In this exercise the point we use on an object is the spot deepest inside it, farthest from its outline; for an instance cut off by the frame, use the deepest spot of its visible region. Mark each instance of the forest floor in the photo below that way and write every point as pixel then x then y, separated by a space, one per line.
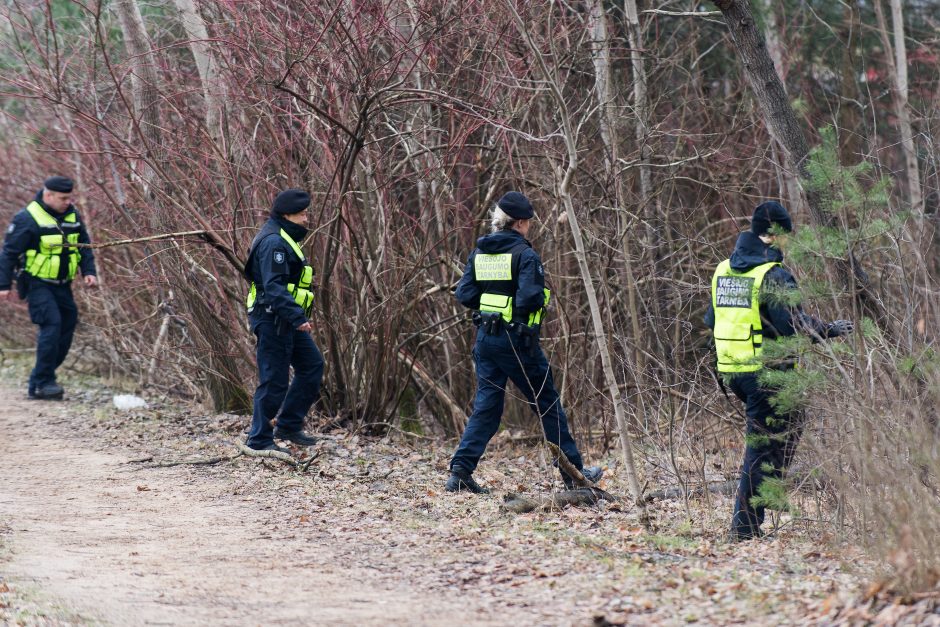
pixel 92 532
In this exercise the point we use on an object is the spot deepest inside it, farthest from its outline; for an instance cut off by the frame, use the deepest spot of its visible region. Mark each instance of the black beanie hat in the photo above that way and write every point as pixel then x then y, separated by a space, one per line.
pixel 60 184
pixel 290 201
pixel 767 213
pixel 515 205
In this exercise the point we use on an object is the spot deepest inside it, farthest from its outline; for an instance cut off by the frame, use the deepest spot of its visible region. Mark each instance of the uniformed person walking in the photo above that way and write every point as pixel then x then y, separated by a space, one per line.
pixel 504 282
pixel 38 254
pixel 747 310
pixel 279 303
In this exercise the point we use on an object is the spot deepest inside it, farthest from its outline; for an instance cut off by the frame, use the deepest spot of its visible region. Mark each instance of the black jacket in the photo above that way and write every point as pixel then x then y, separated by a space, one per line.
pixel 271 265
pixel 23 235
pixel 529 279
pixel 779 320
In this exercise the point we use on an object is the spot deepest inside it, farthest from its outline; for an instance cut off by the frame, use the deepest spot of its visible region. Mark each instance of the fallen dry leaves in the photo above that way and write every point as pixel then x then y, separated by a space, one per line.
pixel 380 503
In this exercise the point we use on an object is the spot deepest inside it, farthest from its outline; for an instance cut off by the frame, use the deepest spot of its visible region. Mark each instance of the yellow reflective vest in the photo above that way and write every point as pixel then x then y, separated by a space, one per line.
pixel 57 245
pixel 499 267
pixel 738 327
pixel 300 290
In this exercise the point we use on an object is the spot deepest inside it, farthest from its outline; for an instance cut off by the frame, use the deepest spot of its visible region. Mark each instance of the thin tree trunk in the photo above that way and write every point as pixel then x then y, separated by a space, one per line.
pixel 564 177
pixel 145 92
pixel 642 131
pixel 850 140
pixel 206 64
pixel 790 187
pixel 897 68
pixel 603 86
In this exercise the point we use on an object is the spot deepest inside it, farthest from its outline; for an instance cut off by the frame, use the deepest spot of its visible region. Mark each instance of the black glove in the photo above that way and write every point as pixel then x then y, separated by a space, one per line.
pixel 837 328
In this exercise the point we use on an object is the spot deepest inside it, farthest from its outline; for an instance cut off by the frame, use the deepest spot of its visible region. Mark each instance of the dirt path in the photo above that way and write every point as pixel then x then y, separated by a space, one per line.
pixel 123 546
pixel 364 537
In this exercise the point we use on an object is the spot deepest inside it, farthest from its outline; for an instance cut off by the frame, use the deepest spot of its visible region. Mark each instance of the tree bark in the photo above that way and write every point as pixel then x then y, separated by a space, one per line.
pixel 212 88
pixel 145 95
pixel 896 57
pixel 144 79
pixel 789 185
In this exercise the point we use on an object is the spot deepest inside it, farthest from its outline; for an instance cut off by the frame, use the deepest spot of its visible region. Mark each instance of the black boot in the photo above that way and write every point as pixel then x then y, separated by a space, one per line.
pixel 48 392
pixel 297 437
pixel 591 473
pixel 271 447
pixel 460 479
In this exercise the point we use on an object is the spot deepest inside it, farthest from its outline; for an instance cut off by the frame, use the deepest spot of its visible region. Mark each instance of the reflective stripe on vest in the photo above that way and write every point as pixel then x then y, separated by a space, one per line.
pixel 46 261
pixel 738 327
pixel 300 290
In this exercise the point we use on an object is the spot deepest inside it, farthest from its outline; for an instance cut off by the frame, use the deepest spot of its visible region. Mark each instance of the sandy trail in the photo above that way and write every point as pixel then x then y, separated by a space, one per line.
pixel 160 546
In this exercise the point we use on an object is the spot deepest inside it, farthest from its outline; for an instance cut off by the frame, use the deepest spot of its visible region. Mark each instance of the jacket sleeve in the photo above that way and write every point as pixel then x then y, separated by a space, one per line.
pixel 530 296
pixel 468 291
pixel 20 237
pixel 273 268
pixel 86 260
pixel 710 316
pixel 786 320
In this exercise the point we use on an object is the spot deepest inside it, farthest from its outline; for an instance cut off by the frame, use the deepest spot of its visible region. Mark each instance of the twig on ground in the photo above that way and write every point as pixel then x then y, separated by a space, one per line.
pixel 586 493
pixel 208 461
pixel 287 458
pixel 557 500
pixel 565 464
pixel 725 487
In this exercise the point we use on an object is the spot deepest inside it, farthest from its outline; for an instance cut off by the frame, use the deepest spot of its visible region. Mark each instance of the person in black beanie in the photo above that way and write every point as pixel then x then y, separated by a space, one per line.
pixel 37 252
pixel 280 299
pixel 744 315
pixel 504 283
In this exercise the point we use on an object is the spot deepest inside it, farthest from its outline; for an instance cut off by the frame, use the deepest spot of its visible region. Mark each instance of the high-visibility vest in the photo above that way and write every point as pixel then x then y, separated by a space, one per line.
pixel 299 290
pixel 57 256
pixel 498 268
pixel 738 327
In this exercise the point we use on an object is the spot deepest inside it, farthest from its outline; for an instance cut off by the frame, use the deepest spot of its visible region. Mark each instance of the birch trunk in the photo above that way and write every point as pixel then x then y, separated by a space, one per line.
pixel 603 87
pixel 212 88
pixel 145 96
pixel 896 55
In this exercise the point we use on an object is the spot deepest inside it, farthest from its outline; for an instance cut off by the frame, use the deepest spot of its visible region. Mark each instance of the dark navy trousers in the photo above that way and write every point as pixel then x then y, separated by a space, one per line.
pixel 276 354
pixel 51 307
pixel 771 439
pixel 499 358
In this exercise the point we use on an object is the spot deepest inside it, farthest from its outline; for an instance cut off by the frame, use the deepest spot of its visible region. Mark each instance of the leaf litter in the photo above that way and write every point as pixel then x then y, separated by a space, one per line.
pixel 379 503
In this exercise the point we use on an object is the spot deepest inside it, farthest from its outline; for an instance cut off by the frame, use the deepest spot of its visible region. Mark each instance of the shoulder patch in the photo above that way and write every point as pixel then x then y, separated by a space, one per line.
pixel 11 228
pixel 278 256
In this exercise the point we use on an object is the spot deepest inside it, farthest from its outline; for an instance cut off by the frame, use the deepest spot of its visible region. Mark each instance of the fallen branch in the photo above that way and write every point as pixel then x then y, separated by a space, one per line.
pixel 556 500
pixel 725 487
pixel 585 494
pixel 568 468
pixel 287 458
pixel 209 461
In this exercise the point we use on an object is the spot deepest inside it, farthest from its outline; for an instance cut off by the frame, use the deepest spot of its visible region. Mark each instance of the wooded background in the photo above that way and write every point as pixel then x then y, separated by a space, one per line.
pixel 644 133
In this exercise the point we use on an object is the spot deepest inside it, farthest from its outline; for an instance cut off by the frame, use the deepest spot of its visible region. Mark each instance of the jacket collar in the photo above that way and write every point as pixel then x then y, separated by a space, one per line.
pixel 297 232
